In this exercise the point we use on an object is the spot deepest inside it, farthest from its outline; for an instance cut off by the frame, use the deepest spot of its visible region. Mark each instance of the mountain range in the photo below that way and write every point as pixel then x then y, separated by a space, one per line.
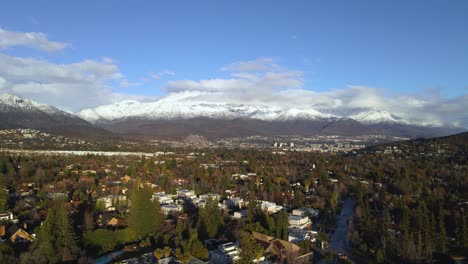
pixel 173 117
pixel 16 112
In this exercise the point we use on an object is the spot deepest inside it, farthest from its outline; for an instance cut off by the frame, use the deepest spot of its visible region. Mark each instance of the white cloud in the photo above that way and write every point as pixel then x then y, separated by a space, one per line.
pixel 38 40
pixel 263 82
pixel 161 74
pixel 68 86
pixel 258 65
pixel 125 83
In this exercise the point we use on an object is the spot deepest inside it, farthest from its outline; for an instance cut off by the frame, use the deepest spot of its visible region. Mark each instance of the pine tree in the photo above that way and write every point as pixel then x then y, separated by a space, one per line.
pixel 3 198
pixel 66 238
pixel 250 250
pixel 56 239
pixel 282 225
pixel 196 247
pixel 210 219
pixel 442 232
pixel 145 216
pixel 464 231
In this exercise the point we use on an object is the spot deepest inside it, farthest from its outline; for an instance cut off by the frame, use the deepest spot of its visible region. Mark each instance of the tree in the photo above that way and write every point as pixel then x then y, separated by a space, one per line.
pixel 166 251
pixel 196 247
pixel 210 219
pixel 442 242
pixel 379 256
pixel 158 253
pixel 464 231
pixel 3 198
pixel 56 239
pixel 334 200
pixel 250 250
pixel 145 216
pixel 282 223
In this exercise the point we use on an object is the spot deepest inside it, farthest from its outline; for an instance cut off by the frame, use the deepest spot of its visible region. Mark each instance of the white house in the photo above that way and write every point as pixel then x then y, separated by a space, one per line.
pixel 8 216
pixel 297 235
pixel 205 197
pixel 305 211
pixel 190 194
pixel 234 203
pixel 226 253
pixel 168 208
pixel 270 207
pixel 163 198
pixel 240 214
pixel 300 222
pixel 111 200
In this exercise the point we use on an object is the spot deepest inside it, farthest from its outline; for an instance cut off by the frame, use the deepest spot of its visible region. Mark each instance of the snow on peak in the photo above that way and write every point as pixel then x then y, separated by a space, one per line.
pixel 183 107
pixel 376 116
pixel 9 101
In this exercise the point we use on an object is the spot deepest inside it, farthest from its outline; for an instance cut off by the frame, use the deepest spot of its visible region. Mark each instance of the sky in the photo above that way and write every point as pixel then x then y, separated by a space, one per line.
pixel 406 57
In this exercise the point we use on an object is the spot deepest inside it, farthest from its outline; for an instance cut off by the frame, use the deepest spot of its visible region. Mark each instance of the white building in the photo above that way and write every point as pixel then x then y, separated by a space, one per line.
pixel 300 222
pixel 240 214
pixel 184 193
pixel 304 211
pixel 234 203
pixel 169 208
pixel 226 253
pixel 270 207
pixel 163 198
pixel 297 235
pixel 110 201
pixel 9 217
pixel 214 197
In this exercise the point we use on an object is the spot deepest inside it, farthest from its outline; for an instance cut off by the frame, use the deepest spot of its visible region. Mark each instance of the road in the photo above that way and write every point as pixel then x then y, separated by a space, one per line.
pixel 339 241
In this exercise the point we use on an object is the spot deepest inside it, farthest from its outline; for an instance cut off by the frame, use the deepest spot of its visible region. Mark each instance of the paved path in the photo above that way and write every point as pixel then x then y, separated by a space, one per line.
pixel 339 241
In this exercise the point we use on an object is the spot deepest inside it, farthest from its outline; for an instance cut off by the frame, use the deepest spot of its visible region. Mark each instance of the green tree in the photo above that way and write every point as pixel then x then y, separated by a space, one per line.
pixel 442 241
pixel 166 251
pixel 334 200
pixel 210 219
pixel 250 250
pixel 3 198
pixel 282 224
pixel 145 216
pixel 379 256
pixel 158 253
pixel 464 231
pixel 56 239
pixel 196 247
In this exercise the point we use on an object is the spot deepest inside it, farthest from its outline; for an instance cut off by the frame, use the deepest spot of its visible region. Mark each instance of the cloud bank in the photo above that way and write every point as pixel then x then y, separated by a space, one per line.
pixel 263 82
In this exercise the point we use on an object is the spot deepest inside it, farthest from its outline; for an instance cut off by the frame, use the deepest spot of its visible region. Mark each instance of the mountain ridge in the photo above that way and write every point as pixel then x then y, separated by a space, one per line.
pixel 176 119
pixel 17 112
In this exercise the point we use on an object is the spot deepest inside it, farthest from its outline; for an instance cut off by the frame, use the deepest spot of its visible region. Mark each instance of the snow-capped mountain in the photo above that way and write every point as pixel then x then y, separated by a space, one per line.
pixel 376 117
pixel 176 116
pixel 10 103
pixel 183 110
pixel 17 112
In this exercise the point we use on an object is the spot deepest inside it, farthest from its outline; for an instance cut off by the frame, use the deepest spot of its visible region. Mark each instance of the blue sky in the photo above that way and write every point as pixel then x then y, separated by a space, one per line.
pixel 413 48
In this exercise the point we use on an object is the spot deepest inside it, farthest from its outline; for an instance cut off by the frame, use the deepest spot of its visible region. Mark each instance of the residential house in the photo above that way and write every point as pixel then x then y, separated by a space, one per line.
pixel 270 207
pixel 163 198
pixel 234 203
pixel 225 254
pixel 306 211
pixel 15 235
pixel 184 193
pixel 171 208
pixel 297 235
pixel 282 251
pixel 300 222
